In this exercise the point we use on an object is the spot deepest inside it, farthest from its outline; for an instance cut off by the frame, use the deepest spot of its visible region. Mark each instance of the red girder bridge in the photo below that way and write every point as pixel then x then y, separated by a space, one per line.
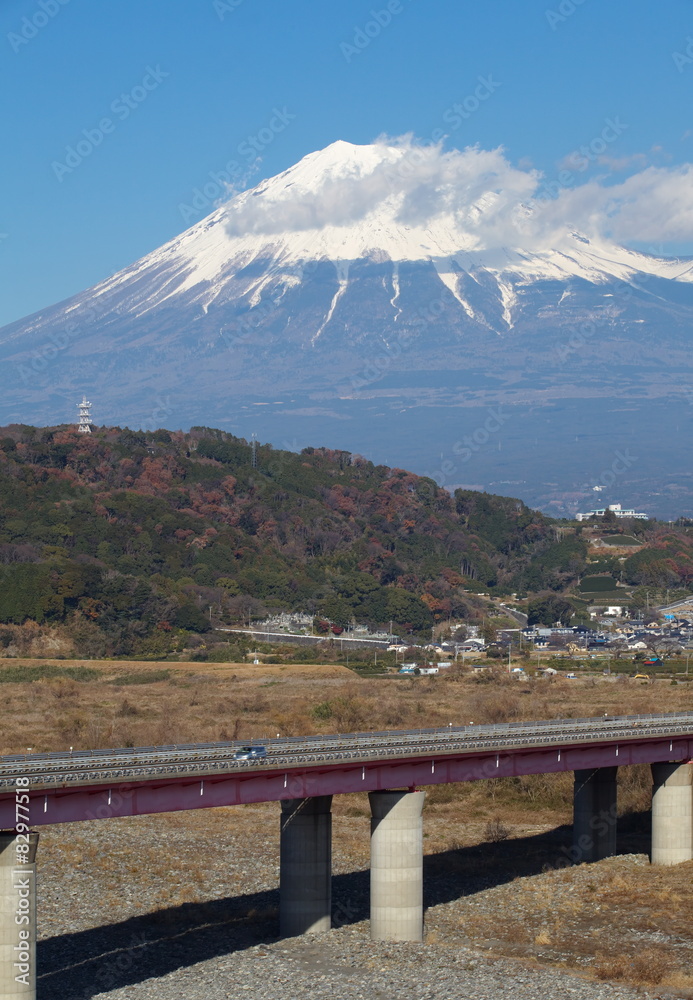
pixel 304 773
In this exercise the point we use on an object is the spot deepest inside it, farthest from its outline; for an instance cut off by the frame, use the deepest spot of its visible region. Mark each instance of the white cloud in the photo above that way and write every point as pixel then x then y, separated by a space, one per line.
pixel 655 204
pixel 476 192
pixel 618 163
pixel 410 183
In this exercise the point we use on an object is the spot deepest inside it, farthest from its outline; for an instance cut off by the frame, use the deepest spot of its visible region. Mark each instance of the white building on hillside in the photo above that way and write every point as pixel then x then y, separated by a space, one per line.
pixel 615 508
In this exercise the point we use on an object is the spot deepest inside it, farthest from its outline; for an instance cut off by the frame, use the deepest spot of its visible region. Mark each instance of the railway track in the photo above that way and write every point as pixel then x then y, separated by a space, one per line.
pixel 59 769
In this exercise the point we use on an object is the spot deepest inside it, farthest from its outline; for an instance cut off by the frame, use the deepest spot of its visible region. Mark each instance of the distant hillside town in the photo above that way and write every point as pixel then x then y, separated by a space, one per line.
pixel 616 509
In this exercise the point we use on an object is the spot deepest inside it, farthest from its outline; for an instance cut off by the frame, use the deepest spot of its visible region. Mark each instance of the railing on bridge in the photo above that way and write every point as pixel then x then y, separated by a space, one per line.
pixel 51 769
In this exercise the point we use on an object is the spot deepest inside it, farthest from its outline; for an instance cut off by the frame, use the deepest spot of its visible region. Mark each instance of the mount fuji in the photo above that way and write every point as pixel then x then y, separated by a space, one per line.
pixel 393 300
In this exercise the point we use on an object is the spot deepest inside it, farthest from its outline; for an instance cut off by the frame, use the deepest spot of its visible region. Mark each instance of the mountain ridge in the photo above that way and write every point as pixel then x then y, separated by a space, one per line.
pixel 258 332
pixel 122 537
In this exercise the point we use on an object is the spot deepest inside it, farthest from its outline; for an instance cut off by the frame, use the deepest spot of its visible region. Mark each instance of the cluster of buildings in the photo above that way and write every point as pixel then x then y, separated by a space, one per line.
pixel 612 631
pixel 616 509
pixel 673 634
pixel 630 635
pixel 297 623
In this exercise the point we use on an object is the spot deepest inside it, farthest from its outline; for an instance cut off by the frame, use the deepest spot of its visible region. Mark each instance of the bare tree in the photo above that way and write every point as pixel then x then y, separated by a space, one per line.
pixel 662 645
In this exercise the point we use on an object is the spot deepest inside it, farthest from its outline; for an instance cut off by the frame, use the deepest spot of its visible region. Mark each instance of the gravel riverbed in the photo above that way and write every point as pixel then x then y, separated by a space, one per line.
pixel 184 907
pixel 351 967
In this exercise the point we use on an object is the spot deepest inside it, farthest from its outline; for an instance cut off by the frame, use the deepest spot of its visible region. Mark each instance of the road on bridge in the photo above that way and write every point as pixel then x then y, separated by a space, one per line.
pixel 80 785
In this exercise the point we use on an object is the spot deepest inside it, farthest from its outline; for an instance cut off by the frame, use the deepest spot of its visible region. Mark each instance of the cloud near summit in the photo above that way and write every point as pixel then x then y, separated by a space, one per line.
pixel 480 192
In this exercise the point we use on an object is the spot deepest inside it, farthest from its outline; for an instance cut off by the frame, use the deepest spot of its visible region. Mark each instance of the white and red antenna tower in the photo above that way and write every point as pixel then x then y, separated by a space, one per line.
pixel 85 420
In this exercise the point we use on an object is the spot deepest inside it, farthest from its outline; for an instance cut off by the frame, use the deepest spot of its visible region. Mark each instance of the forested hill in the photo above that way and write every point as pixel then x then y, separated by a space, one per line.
pixel 120 535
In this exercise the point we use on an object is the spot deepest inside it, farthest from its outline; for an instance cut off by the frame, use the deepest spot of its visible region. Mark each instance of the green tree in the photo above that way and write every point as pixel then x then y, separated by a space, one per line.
pixel 337 610
pixel 549 609
pixel 408 611
pixel 190 618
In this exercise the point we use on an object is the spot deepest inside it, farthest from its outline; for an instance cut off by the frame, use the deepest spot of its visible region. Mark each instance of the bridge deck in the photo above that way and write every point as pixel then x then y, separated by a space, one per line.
pixel 131 781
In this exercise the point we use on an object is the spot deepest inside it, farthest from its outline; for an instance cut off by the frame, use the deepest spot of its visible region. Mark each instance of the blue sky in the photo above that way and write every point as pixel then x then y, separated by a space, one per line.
pixel 188 85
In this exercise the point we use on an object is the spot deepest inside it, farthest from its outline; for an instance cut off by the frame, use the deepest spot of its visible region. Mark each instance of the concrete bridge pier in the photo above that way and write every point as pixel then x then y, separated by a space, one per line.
pixel 396 866
pixel 672 813
pixel 17 916
pixel 595 814
pixel 305 866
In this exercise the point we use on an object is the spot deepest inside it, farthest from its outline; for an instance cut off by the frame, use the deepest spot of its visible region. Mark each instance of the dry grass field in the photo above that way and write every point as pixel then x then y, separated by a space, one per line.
pixel 496 872
pixel 121 703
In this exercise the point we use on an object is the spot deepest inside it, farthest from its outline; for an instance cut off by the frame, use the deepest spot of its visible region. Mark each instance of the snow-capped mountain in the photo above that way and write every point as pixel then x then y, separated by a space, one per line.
pixel 263 240
pixel 357 266
pixel 274 225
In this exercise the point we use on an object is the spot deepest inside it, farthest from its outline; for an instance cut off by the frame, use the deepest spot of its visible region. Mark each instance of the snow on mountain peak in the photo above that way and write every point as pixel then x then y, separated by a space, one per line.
pixel 338 160
pixel 357 261
pixel 461 210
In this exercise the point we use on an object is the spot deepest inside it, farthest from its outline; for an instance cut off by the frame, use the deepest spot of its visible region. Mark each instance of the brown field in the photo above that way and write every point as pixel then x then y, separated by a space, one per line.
pixel 493 848
pixel 188 702
pixel 112 668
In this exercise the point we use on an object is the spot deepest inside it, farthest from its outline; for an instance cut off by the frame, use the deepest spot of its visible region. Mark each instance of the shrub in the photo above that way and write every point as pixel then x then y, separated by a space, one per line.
pixel 127 708
pixel 649 967
pixel 496 831
pixel 45 671
pixel 142 677
pixel 322 711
